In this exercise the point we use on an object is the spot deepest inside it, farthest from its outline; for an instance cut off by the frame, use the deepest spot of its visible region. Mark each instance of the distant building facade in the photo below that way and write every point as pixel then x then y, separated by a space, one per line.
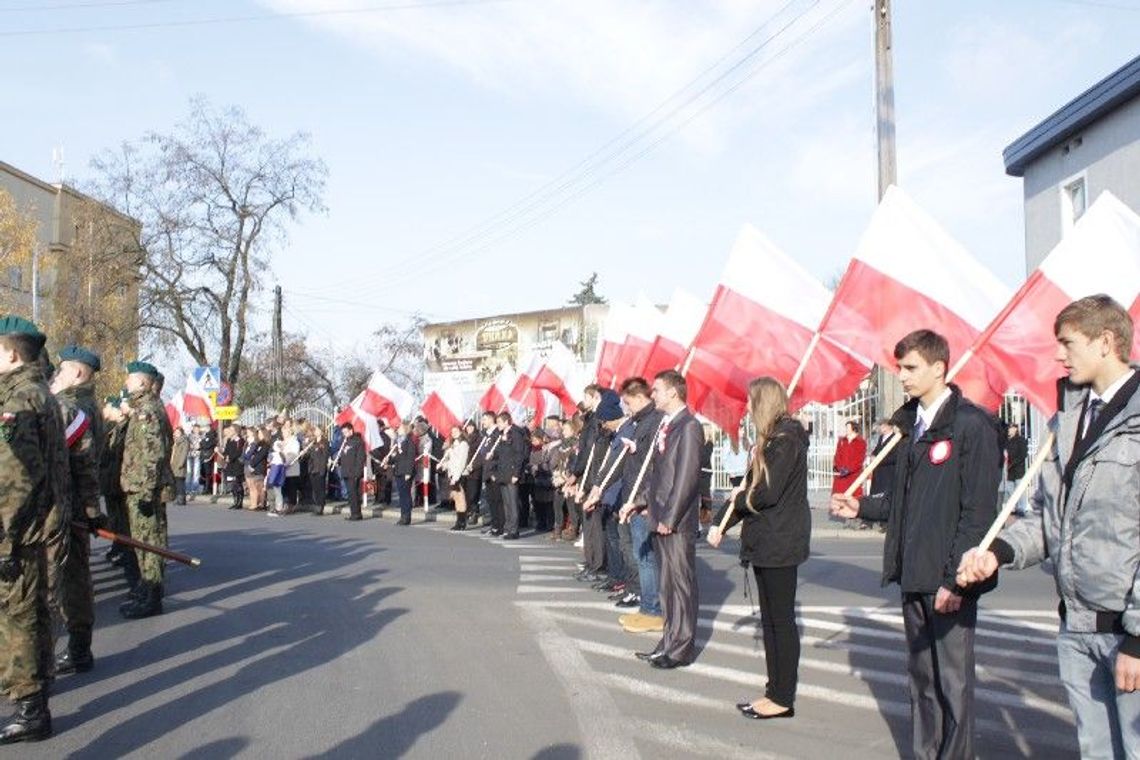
pixel 1090 145
pixel 471 352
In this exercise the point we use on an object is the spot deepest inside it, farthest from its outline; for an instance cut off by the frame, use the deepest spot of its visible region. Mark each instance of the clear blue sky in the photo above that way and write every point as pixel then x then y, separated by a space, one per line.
pixel 433 120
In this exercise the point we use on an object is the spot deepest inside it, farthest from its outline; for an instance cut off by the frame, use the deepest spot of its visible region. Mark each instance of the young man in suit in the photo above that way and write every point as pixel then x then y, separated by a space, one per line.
pixel 673 503
pixel 943 500
pixel 1086 509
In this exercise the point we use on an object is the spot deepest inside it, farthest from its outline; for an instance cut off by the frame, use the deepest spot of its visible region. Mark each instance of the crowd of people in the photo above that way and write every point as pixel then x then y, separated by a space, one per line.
pixel 626 479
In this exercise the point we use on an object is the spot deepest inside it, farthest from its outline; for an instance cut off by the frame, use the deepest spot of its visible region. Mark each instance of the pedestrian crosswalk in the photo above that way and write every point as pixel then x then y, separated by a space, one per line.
pixel 852 692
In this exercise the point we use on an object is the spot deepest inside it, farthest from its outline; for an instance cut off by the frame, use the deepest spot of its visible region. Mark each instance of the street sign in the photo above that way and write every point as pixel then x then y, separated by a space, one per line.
pixel 225 394
pixel 208 378
pixel 226 412
pixel 213 396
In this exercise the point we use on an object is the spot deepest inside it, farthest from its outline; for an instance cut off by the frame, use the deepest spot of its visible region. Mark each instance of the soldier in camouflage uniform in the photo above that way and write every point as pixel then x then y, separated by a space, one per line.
pixel 33 475
pixel 110 471
pixel 69 555
pixel 145 475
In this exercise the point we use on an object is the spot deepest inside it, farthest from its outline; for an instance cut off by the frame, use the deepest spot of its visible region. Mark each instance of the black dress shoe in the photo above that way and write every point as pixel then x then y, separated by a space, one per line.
pixel 665 662
pixel 647 656
pixel 495 532
pixel 627 601
pixel 511 537
pixel 748 711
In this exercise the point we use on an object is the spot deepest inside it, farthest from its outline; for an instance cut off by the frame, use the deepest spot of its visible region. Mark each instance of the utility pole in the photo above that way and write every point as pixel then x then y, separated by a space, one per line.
pixel 890 393
pixel 884 97
pixel 278 350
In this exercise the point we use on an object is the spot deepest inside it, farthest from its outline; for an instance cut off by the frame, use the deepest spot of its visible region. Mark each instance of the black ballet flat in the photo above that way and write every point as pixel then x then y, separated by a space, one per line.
pixel 748 711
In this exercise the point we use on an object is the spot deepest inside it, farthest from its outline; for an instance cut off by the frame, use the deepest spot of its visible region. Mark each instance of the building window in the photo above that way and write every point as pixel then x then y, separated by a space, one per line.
pixel 1074 202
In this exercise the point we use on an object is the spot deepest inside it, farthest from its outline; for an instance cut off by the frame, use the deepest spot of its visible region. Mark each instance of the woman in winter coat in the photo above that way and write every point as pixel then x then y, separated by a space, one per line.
pixel 256 463
pixel 773 506
pixel 233 466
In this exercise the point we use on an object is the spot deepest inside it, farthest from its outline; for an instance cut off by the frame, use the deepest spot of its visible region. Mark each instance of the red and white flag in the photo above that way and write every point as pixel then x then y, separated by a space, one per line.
pixel 558 373
pixel 365 423
pixel 1100 254
pixel 443 408
pixel 174 410
pixel 679 326
pixel 761 321
pixel 195 401
pixel 642 328
pixel 497 397
pixel 613 334
pixel 907 274
pixel 384 400
pixel 525 380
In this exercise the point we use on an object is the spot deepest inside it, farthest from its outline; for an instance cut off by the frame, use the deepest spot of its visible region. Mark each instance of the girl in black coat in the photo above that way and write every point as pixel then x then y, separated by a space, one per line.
pixel 772 503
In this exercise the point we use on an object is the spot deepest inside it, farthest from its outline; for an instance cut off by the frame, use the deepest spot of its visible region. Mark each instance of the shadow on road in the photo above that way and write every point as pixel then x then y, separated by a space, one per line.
pixel 396 734
pixel 262 609
pixel 559 752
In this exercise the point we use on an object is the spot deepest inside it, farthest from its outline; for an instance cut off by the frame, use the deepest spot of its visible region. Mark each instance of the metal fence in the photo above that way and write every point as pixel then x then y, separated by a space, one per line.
pixel 259 415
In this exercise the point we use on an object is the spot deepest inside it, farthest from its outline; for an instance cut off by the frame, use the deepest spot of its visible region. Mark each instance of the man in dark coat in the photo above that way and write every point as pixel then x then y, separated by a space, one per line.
pixel 352 456
pixel 943 499
pixel 1016 452
pixel 508 463
pixel 674 499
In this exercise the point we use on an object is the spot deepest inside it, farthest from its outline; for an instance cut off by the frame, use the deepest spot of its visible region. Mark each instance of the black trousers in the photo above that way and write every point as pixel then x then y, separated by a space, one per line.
pixel 776 590
pixel 677 577
pixel 510 507
pixel 560 511
pixel 473 489
pixel 317 487
pixel 941 668
pixel 495 502
pixel 594 539
pixel 353 486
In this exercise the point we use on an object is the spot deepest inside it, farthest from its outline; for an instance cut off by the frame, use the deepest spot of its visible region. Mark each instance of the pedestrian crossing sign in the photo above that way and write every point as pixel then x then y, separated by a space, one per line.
pixel 208 378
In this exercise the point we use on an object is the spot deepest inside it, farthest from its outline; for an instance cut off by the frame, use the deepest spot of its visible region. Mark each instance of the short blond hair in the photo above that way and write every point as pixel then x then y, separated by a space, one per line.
pixel 1092 316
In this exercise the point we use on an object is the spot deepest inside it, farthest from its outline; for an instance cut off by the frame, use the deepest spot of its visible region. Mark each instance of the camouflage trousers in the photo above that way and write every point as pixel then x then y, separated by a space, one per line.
pixel 150 528
pixel 72 594
pixel 117 520
pixel 25 625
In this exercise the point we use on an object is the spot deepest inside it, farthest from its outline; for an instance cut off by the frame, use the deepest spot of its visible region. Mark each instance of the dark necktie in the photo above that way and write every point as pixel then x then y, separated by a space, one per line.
pixel 1095 407
pixel 919 428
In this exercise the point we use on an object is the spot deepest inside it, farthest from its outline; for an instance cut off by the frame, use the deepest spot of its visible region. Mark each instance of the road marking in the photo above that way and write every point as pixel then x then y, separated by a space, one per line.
pixel 600 725
pixel 688 742
pixel 543 558
pixel 539 577
pixel 525 589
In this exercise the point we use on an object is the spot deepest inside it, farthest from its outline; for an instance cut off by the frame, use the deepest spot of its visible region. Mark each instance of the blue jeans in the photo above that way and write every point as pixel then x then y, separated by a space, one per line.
pixel 193 472
pixel 646 565
pixel 1108 721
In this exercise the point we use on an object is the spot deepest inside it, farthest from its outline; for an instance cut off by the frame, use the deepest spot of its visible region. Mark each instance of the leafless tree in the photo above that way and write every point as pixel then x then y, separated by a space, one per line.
pixel 216 197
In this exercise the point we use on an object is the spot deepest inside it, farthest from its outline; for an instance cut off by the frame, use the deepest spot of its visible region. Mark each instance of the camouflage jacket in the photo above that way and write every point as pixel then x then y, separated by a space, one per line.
pixel 34 470
pixel 83 429
pixel 146 447
pixel 111 459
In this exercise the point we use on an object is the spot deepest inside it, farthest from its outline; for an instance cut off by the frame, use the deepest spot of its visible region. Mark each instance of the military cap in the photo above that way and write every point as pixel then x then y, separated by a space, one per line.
pixel 142 368
pixel 75 353
pixel 10 324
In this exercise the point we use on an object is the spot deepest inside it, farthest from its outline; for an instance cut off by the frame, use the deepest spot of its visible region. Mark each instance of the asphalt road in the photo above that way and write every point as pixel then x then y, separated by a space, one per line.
pixel 315 637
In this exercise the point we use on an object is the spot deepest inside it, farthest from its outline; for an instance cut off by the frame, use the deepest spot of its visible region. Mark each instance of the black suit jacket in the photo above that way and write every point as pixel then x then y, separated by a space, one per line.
pixel 675 477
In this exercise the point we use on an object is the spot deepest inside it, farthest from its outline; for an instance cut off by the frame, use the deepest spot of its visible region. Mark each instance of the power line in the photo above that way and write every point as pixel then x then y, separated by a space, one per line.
pixel 359 304
pixel 525 224
pixel 604 155
pixel 403 6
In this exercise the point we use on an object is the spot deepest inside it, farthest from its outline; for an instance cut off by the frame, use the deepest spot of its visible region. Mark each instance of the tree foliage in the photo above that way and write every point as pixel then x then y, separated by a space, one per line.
pixel 216 197
pixel 587 294
pixel 17 243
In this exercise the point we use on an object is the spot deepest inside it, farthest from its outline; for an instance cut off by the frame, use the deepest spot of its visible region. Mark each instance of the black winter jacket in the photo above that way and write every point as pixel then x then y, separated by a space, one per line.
pixel 944 497
pixel 777 527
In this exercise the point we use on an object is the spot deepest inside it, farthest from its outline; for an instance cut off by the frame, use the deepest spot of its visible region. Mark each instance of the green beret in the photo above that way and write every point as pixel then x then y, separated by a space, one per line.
pixel 10 324
pixel 75 353
pixel 142 368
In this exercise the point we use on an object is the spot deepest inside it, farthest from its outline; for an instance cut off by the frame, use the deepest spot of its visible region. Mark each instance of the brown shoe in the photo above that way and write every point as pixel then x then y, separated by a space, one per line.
pixel 644 624
pixel 570 534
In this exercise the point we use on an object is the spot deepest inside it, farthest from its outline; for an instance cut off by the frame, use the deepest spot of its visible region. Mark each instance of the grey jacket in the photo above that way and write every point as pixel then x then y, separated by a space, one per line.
pixel 1090 528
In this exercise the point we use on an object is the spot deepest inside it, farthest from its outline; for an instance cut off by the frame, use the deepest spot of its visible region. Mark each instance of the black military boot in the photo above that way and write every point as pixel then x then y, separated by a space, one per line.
pixel 30 723
pixel 147 605
pixel 78 657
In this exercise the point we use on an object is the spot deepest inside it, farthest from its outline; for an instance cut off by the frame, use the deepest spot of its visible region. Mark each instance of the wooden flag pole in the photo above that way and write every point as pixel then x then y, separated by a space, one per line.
pixel 803 364
pixel 644 469
pixel 1022 486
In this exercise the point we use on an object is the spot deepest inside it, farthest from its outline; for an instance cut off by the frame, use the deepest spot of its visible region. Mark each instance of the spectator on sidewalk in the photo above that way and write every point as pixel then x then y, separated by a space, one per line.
pixel 1016 452
pixel 256 460
pixel 179 453
pixel 317 463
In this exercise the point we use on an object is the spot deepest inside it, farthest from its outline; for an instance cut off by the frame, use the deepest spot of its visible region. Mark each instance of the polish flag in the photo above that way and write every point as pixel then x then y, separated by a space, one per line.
pixel 195 401
pixel 614 332
pixel 384 400
pixel 1101 254
pixel 443 408
pixel 365 423
pixel 762 321
pixel 496 397
pixel 525 381
pixel 174 409
pixel 907 274
pixel 558 374
pixel 679 326
pixel 641 330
